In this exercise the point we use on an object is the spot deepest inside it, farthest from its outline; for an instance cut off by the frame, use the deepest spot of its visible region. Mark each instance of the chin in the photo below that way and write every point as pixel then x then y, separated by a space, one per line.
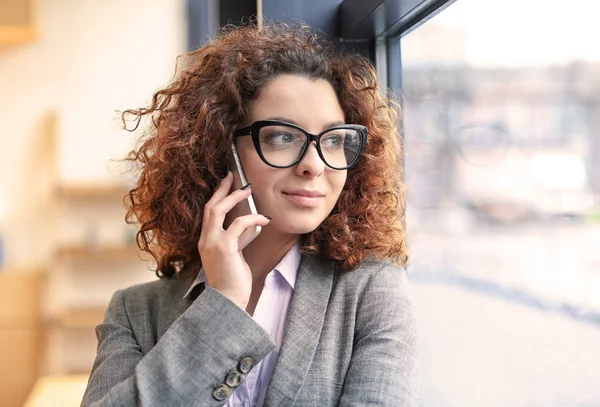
pixel 299 226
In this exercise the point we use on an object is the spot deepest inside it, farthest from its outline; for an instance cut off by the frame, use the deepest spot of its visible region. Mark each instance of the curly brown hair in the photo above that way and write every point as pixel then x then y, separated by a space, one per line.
pixel 182 156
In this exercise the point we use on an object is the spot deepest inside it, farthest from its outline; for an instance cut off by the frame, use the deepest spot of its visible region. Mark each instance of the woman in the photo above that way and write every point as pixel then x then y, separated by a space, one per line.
pixel 314 311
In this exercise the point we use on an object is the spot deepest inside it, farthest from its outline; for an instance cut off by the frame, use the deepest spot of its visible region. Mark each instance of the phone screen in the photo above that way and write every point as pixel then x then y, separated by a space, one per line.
pixel 244 207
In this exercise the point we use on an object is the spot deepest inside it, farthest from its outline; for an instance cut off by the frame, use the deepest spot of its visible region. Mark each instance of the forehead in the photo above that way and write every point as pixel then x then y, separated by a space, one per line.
pixel 310 103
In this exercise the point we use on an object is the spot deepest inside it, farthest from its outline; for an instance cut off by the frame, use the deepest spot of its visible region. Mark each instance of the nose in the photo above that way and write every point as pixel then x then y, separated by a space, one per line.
pixel 311 165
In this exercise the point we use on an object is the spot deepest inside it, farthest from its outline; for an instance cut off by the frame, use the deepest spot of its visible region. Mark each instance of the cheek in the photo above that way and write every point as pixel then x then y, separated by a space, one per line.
pixel 244 145
pixel 337 185
pixel 264 180
pixel 251 163
pixel 340 181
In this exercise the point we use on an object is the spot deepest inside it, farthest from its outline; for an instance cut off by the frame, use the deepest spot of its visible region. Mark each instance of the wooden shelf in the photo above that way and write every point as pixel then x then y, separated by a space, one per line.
pixel 66 391
pixel 15 34
pixel 20 297
pixel 98 252
pixel 18 21
pixel 92 191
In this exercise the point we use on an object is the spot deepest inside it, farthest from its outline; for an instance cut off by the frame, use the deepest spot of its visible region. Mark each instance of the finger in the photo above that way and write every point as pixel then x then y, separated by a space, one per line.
pixel 220 192
pixel 215 214
pixel 240 224
pixel 227 203
pixel 222 189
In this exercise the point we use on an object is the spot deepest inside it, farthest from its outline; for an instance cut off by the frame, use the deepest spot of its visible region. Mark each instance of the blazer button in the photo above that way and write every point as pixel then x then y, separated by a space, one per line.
pixel 245 365
pixel 233 379
pixel 221 393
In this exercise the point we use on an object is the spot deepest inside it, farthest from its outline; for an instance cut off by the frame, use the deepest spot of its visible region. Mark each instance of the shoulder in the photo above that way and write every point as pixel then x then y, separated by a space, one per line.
pixel 147 290
pixel 151 294
pixel 381 296
pixel 143 303
pixel 374 273
pixel 373 285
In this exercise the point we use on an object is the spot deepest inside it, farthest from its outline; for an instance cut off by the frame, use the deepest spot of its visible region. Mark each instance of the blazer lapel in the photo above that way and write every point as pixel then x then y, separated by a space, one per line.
pixel 303 330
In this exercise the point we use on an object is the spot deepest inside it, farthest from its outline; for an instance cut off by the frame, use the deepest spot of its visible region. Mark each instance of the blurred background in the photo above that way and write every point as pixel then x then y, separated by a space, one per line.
pixel 65 248
pixel 501 127
pixel 502 138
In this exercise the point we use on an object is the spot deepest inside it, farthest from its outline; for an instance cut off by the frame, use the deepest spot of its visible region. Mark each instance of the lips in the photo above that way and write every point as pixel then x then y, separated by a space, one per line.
pixel 305 192
pixel 304 198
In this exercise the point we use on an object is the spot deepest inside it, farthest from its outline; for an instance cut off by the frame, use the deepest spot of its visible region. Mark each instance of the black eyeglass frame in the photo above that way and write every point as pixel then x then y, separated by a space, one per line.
pixel 254 131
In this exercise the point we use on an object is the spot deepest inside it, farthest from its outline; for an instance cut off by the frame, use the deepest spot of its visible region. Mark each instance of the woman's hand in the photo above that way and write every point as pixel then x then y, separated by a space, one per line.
pixel 224 266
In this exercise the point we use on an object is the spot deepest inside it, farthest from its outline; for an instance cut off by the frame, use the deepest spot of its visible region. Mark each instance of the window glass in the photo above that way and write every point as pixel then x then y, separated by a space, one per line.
pixel 502 137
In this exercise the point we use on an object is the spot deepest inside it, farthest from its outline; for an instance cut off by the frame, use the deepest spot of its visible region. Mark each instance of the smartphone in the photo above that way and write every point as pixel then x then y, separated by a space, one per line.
pixel 244 207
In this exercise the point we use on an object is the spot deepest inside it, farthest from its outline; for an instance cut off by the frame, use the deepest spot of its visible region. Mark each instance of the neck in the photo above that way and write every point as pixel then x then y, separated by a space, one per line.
pixel 266 251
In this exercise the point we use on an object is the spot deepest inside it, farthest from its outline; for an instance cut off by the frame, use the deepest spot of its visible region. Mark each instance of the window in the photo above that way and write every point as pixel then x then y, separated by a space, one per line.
pixel 502 138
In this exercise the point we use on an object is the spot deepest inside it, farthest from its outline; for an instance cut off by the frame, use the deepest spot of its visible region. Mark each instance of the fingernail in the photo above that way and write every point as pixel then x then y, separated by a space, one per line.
pixel 268 217
pixel 245 187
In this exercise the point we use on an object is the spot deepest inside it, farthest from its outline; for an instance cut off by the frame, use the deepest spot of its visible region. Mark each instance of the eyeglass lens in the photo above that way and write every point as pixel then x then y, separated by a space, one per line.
pixel 283 145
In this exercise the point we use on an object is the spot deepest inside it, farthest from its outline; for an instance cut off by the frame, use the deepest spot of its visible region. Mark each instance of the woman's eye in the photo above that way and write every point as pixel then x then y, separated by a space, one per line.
pixel 333 141
pixel 280 138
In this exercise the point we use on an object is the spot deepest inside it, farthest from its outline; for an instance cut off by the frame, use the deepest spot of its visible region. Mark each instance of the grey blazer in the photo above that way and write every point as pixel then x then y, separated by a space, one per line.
pixel 350 340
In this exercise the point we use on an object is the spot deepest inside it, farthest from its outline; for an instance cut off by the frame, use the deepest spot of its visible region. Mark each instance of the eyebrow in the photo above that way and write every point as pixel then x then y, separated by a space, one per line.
pixel 287 119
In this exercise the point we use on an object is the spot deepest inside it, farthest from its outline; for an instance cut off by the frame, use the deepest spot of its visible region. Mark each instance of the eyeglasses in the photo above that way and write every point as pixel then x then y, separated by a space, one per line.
pixel 283 145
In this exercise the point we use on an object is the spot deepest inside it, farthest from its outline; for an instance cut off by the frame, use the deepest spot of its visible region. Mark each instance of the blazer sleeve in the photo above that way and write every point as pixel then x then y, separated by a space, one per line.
pixel 192 358
pixel 383 369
